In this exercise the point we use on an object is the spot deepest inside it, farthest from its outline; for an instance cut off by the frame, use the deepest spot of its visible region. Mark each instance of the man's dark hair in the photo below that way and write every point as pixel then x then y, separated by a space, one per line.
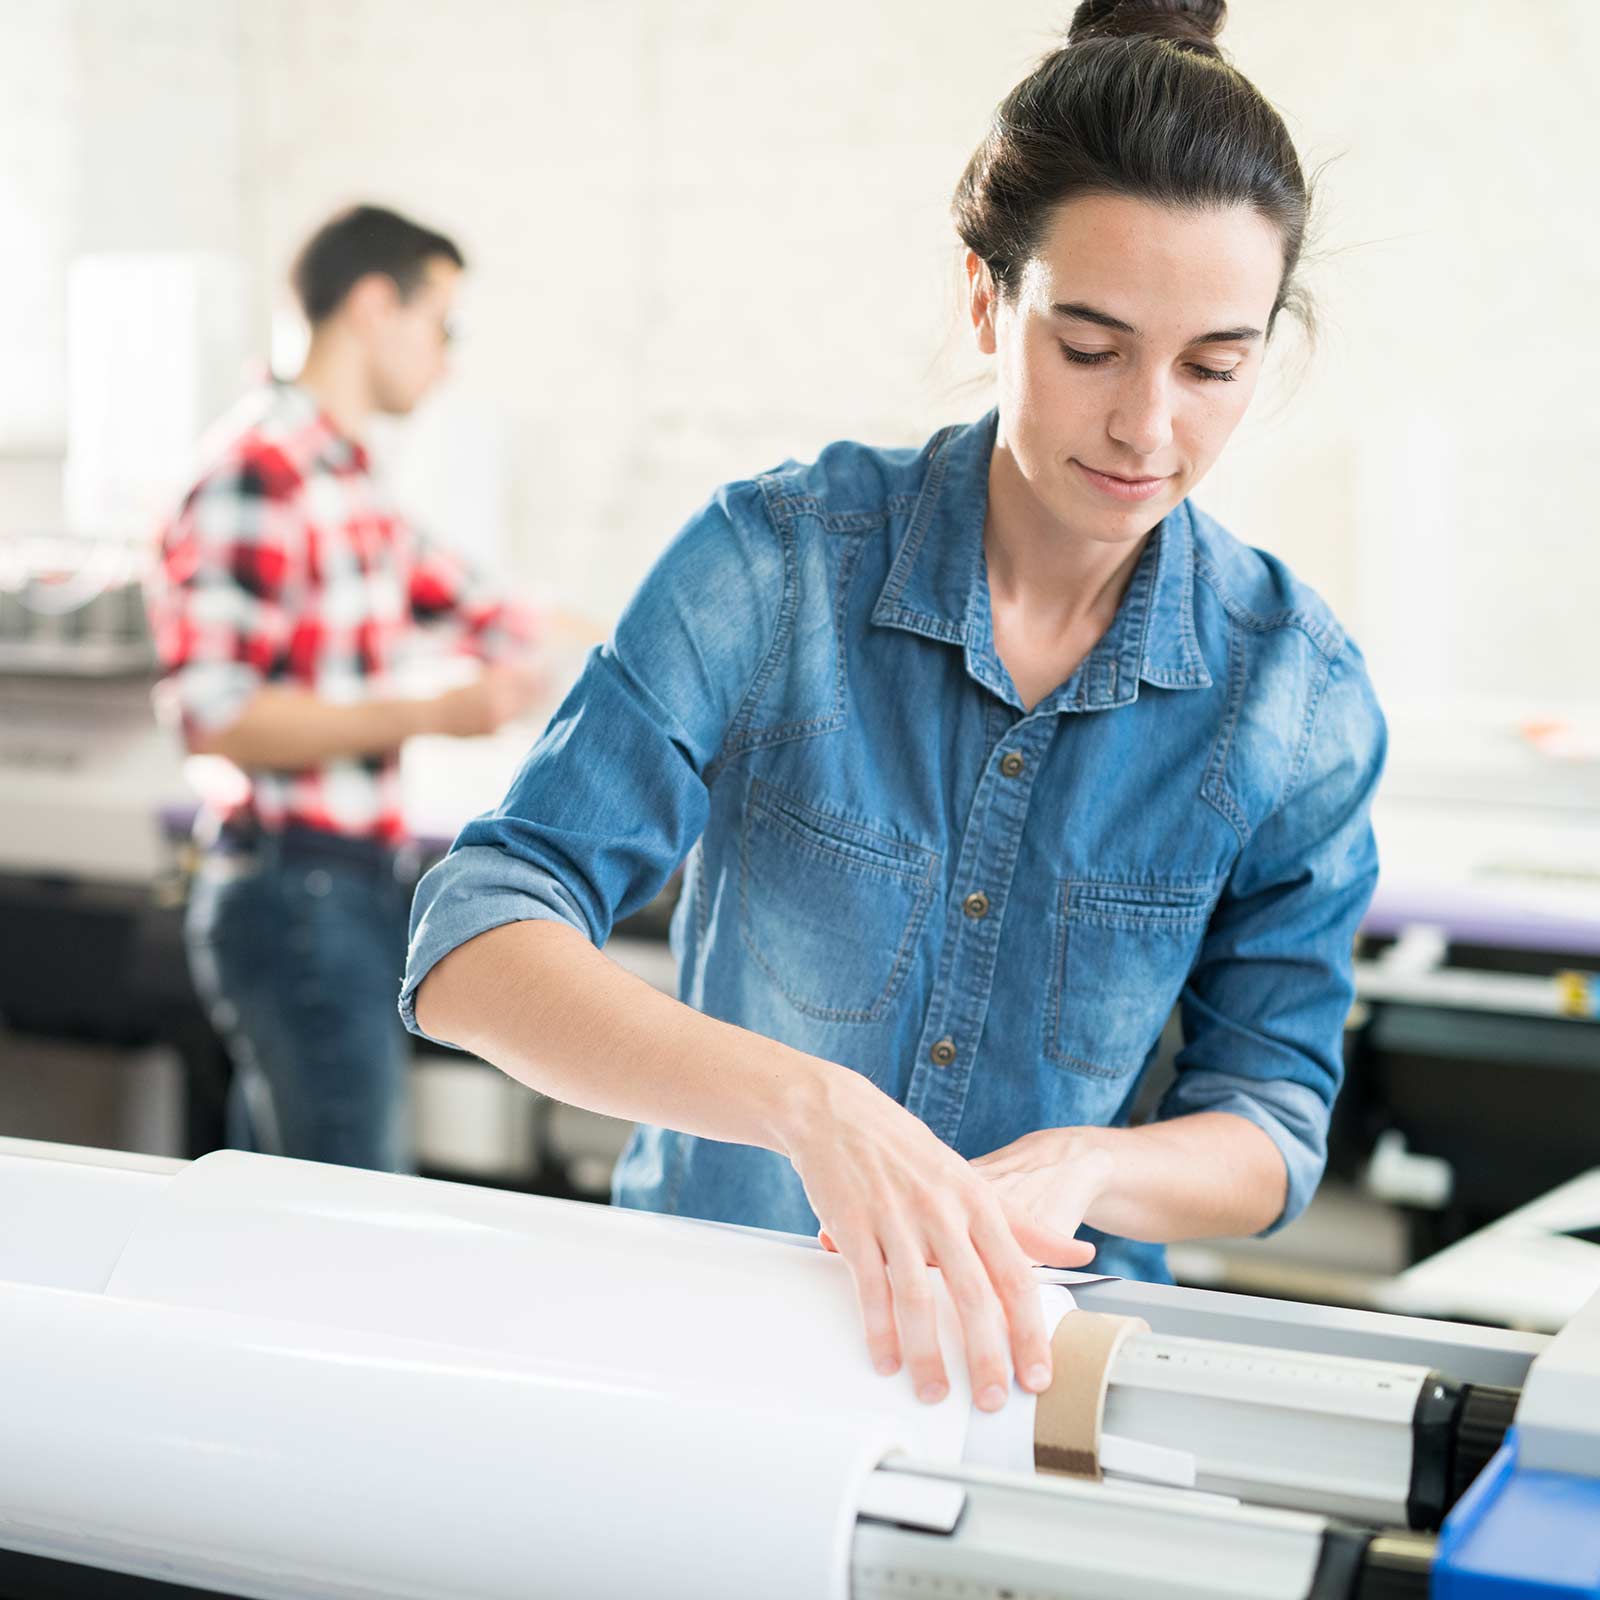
pixel 359 241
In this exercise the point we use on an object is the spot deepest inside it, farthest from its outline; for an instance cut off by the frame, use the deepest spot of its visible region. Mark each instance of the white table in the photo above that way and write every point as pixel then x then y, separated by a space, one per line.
pixel 1522 1271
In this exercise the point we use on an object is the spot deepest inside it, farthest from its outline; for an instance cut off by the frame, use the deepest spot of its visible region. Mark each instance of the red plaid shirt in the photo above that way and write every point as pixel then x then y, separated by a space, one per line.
pixel 286 564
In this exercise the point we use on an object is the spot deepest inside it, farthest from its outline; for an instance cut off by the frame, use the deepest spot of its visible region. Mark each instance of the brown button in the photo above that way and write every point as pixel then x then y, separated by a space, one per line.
pixel 943 1053
pixel 976 905
pixel 1011 764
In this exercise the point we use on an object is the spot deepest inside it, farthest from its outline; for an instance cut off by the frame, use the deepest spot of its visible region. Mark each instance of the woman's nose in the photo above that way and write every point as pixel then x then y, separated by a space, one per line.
pixel 1142 418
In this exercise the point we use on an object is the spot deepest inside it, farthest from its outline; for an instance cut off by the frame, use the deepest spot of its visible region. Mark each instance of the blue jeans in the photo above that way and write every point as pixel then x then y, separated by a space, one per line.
pixel 296 945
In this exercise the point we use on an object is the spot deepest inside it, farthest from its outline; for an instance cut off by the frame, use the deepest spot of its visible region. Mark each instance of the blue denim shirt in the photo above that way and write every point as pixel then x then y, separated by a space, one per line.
pixel 805 701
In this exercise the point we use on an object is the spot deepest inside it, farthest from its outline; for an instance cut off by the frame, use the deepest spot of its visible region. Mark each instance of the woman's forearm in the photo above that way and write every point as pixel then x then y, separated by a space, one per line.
pixel 537 1000
pixel 1203 1176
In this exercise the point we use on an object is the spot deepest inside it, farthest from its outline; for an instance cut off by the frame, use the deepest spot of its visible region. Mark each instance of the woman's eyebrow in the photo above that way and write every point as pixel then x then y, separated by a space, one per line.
pixel 1102 319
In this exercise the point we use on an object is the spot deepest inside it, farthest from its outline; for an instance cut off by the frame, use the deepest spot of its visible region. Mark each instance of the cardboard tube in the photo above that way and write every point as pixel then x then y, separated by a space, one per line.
pixel 1067 1418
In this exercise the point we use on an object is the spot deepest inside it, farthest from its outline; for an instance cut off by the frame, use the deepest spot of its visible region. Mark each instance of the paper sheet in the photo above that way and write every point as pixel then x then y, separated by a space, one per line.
pixel 1004 1438
pixel 734 1318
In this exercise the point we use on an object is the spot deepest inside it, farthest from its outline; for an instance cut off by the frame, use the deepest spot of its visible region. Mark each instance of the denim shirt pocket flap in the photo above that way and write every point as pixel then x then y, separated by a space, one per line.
pixel 830 908
pixel 1122 951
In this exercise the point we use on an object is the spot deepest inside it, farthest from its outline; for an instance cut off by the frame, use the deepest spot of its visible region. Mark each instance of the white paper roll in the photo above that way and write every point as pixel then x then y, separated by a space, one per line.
pixel 279 1459
pixel 309 1380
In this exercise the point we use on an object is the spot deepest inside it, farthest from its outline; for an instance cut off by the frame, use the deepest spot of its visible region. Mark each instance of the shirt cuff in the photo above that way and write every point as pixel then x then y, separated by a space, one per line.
pixel 1294 1117
pixel 475 888
pixel 507 632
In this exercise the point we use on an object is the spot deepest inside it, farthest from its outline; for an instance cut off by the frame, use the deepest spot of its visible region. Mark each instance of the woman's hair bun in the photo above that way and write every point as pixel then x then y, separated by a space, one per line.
pixel 1192 24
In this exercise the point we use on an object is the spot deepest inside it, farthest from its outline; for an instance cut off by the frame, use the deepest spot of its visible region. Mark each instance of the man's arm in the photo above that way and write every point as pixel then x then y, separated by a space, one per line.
pixel 286 728
pixel 224 595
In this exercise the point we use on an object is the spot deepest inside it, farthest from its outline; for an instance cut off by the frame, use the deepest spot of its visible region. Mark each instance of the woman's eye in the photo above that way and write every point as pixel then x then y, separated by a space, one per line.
pixel 1096 358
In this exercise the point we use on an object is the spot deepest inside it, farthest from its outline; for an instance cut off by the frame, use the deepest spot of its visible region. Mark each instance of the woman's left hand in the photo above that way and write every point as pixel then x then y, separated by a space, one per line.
pixel 1046 1183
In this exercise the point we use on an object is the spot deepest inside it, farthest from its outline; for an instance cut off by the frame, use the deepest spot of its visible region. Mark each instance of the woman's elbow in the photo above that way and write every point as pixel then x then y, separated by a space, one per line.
pixel 430 1005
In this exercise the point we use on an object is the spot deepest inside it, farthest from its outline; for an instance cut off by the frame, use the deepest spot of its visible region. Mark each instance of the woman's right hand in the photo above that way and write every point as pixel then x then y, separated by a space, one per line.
pixel 893 1199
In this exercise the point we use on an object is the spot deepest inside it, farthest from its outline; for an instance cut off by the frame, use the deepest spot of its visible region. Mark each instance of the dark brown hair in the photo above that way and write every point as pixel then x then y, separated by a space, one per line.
pixel 362 240
pixel 1138 102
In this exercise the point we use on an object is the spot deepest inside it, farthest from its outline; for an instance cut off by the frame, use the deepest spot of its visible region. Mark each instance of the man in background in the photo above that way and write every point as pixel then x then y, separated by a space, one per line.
pixel 286 590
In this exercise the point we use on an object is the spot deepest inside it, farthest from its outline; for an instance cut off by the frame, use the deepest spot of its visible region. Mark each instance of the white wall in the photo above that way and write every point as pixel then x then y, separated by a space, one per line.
pixel 120 129
pixel 710 234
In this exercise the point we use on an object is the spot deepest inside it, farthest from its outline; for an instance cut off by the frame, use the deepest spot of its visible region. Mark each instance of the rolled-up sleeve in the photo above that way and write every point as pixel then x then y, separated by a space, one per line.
pixel 1265 1007
pixel 451 596
pixel 612 797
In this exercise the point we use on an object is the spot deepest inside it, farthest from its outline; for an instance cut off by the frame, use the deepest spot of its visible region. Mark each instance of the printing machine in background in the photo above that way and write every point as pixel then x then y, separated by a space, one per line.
pixel 238 1377
pixel 1474 1060
pixel 98 1024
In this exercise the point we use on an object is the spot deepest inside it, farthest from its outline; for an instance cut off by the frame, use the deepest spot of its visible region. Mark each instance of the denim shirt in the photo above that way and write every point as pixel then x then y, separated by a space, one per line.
pixel 989 912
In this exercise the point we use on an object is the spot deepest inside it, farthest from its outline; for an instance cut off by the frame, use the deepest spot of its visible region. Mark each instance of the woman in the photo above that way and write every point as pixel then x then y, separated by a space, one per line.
pixel 981 757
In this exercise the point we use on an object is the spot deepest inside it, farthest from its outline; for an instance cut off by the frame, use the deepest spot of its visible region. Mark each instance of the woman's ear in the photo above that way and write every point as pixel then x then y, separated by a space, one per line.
pixel 981 301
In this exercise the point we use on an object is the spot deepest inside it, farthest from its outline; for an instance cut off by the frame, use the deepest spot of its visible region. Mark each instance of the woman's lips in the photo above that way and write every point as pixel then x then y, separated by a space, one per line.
pixel 1120 488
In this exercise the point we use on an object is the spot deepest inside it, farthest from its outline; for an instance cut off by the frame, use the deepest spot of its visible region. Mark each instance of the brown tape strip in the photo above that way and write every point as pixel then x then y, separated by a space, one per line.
pixel 1067 1418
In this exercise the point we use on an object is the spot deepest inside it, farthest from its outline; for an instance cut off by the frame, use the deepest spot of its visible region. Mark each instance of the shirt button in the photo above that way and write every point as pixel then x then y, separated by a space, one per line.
pixel 1011 764
pixel 943 1053
pixel 976 905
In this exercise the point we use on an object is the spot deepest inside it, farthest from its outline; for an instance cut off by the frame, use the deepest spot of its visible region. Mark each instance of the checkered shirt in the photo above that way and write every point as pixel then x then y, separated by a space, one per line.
pixel 286 564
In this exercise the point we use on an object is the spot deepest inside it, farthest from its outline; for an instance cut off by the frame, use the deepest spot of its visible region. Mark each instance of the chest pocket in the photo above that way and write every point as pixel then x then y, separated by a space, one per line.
pixel 829 909
pixel 1122 953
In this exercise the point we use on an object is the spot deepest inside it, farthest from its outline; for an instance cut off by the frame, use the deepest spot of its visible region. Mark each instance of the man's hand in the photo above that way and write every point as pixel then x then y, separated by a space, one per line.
pixel 495 697
pixel 894 1200
pixel 1046 1183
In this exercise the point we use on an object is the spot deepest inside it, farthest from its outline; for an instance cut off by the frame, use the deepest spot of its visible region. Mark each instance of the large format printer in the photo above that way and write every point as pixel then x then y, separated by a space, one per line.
pixel 1473 1069
pixel 246 1376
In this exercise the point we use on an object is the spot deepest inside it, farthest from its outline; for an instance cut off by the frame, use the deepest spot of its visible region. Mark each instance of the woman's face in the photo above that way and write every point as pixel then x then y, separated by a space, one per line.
pixel 1127 355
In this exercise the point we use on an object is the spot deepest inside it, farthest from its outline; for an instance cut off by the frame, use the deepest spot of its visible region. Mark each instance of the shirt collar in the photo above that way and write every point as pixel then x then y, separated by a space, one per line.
pixel 938 586
pixel 309 435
